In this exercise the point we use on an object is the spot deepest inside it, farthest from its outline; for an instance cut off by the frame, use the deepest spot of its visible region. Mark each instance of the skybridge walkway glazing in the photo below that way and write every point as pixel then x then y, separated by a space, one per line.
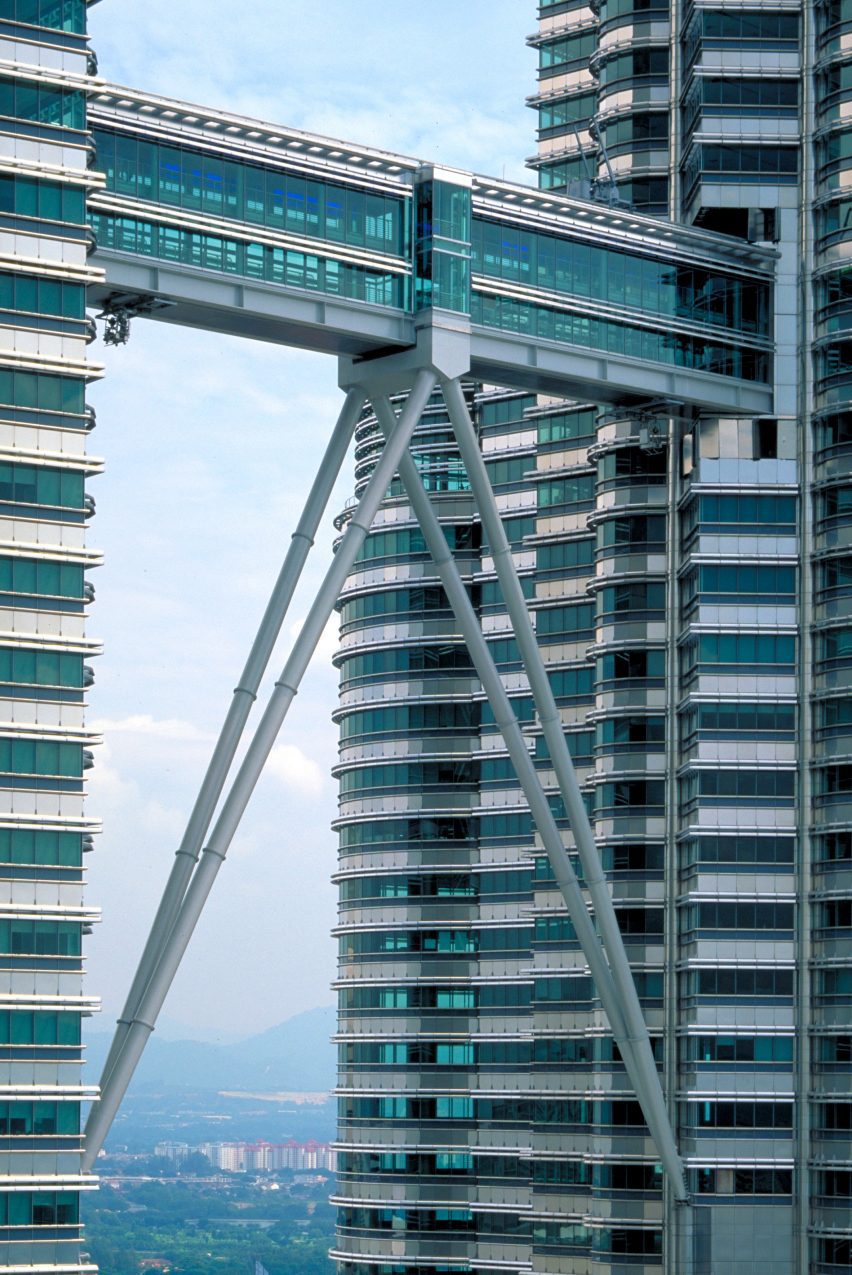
pixel 280 235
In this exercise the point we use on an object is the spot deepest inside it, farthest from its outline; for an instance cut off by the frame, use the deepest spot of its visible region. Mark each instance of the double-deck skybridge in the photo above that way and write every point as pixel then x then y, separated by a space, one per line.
pixel 416 275
pixel 279 235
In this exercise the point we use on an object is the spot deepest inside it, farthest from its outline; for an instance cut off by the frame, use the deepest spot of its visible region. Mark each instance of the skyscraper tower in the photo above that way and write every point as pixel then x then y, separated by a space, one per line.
pixel 45 173
pixel 689 580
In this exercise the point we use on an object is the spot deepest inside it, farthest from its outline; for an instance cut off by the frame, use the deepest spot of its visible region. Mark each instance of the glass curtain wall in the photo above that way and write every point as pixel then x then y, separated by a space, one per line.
pixel 45 748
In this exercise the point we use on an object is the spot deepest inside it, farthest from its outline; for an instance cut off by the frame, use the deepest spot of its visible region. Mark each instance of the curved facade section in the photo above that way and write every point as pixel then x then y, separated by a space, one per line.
pixel 631 65
pixel 565 99
pixel 434 980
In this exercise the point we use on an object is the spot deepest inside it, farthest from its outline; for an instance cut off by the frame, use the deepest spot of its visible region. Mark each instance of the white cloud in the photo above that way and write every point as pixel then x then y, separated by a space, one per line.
pixel 328 643
pixel 464 104
pixel 295 770
pixel 144 724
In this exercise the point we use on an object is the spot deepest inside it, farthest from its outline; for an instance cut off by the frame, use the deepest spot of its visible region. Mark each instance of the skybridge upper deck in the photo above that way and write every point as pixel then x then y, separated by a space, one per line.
pixel 273 233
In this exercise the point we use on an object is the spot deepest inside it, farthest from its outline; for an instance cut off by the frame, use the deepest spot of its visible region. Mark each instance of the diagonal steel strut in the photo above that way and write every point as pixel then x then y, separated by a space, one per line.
pixel 612 972
pixel 233 808
pixel 244 696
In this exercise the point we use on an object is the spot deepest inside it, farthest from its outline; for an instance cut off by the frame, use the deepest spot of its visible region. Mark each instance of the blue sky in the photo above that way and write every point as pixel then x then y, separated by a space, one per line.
pixel 210 444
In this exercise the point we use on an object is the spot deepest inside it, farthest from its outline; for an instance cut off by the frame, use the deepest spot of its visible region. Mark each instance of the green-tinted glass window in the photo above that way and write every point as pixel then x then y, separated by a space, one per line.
pixel 442 248
pixel 394 601
pixel 35 576
pixel 247 192
pixel 456 717
pixel 631 599
pixel 38 667
pixel 746 648
pixel 764 96
pixel 504 409
pixel 626 731
pixel 40 757
pixel 260 261
pixel 629 664
pixel 769 28
pixel 567 50
pixel 578 490
pixel 779 162
pixel 568 621
pixel 26 1118
pixel 39 938
pixel 451 212
pixel 648 530
pixel 35 295
pixel 718 580
pixel 753 512
pixel 586 270
pixel 39 1208
pixel 42 392
pixel 642 130
pixel 41 104
pixel 566 111
pixel 30 846
pixel 451 282
pixel 678 349
pixel 739 719
pixel 638 62
pixel 566 427
pixel 509 472
pixel 58 15
pixel 49 201
pixel 38 485
pixel 566 556
pixel 572 683
pixel 557 175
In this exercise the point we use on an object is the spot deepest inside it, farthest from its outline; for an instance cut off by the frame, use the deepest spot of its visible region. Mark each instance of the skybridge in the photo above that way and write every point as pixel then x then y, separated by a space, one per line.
pixel 415 275
pixel 220 222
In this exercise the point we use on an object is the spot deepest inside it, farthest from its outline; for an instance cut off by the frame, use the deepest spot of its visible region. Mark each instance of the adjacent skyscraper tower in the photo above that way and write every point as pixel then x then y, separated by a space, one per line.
pixel 690 578
pixel 45 160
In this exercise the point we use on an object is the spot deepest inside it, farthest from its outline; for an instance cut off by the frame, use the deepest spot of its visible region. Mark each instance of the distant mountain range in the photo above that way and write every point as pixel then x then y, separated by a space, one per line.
pixel 295 1056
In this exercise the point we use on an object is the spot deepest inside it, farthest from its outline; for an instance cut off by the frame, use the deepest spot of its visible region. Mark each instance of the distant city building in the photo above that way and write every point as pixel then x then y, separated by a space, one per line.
pixel 235 1157
pixel 177 1152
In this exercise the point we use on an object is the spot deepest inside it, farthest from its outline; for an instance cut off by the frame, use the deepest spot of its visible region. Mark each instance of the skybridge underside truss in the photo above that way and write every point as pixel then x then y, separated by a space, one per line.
pixel 337 326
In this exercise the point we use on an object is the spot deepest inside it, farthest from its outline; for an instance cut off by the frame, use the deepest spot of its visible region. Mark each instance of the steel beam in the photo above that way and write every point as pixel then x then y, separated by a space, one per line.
pixel 646 1080
pixel 233 808
pixel 245 693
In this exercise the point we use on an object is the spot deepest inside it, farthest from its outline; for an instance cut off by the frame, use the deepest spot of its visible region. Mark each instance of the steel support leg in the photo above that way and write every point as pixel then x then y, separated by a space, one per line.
pixel 144 1020
pixel 245 693
pixel 646 1080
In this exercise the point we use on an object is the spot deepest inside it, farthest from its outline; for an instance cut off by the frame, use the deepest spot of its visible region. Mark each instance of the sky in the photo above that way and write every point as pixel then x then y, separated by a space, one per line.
pixel 210 445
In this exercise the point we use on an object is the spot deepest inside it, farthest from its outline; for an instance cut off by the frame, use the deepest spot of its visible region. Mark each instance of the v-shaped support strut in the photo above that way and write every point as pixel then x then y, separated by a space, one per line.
pixel 192 878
